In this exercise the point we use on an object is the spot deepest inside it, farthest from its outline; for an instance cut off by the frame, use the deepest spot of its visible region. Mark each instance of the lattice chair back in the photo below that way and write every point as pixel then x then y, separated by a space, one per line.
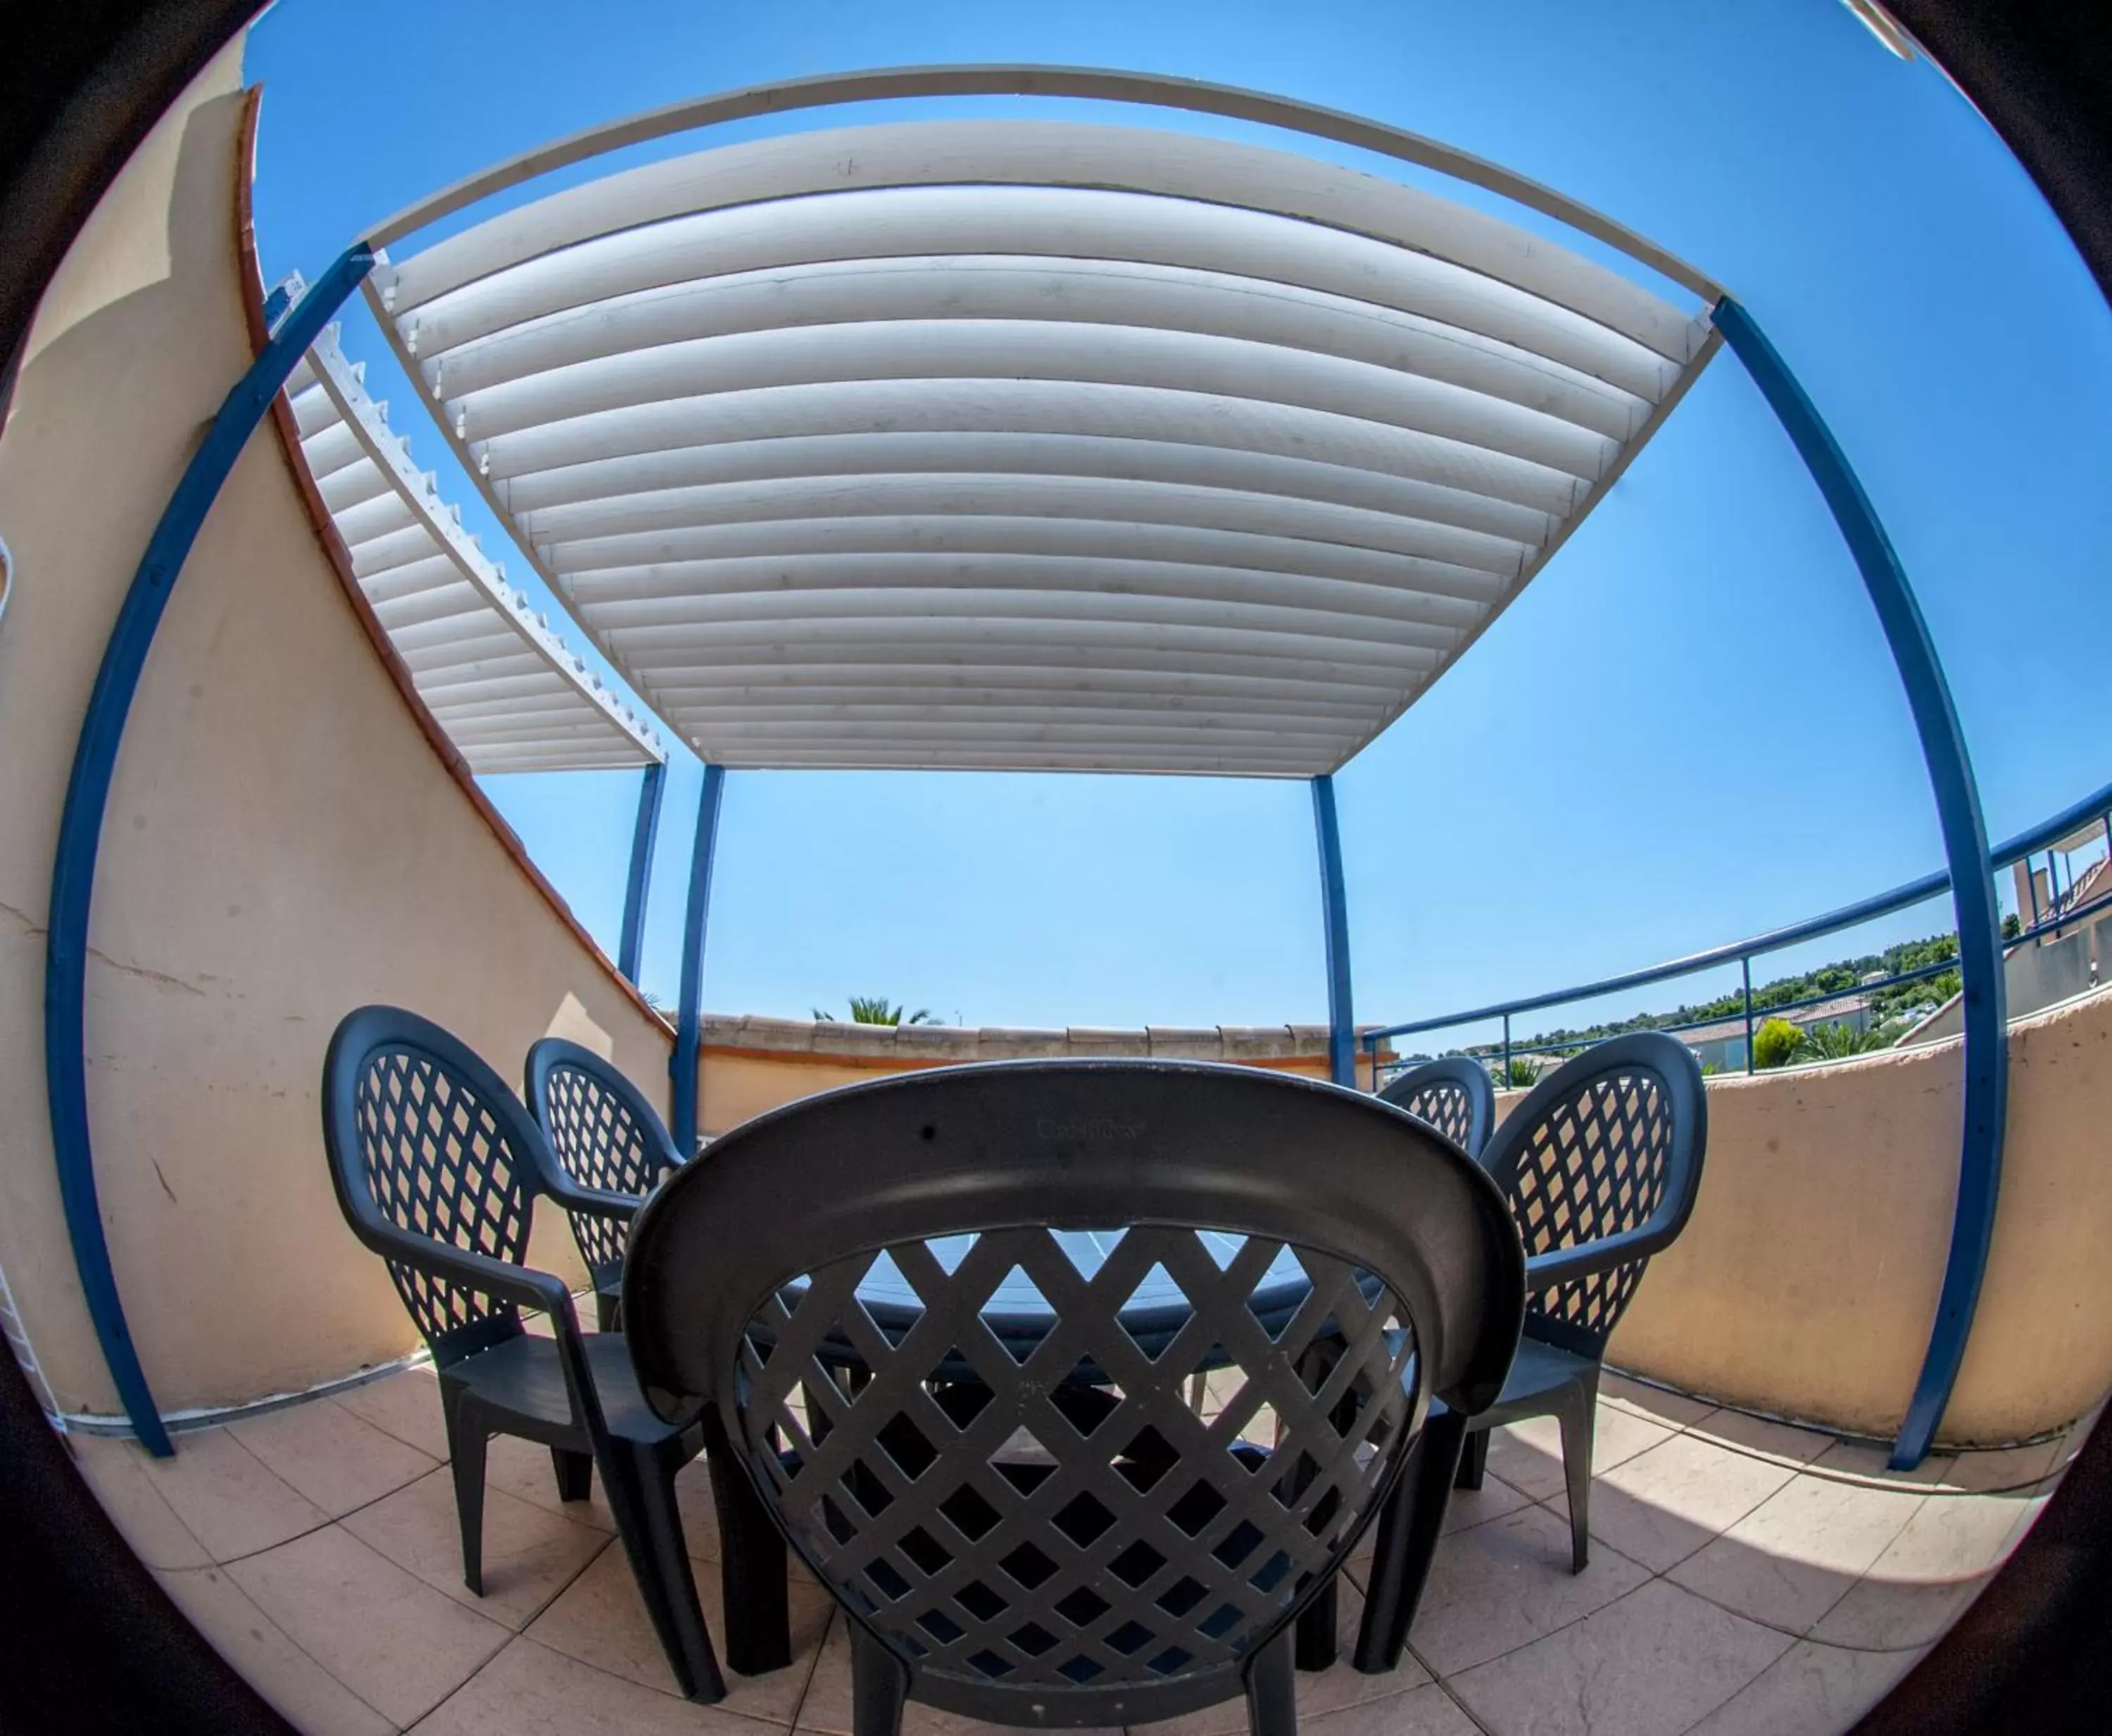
pixel 1453 1094
pixel 973 1425
pixel 1609 1145
pixel 605 1134
pixel 425 1137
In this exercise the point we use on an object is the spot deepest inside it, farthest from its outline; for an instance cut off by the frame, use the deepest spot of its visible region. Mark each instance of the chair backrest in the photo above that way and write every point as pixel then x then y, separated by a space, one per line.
pixel 1453 1094
pixel 605 1134
pixel 949 1343
pixel 425 1137
pixel 1610 1143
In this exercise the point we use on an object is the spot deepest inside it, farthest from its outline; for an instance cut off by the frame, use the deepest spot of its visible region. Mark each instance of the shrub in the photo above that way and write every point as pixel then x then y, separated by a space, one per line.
pixel 1774 1043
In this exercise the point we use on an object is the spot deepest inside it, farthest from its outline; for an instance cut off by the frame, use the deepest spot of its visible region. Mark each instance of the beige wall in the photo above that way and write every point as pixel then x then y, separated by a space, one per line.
pixel 751 1064
pixel 283 842
pixel 1807 1280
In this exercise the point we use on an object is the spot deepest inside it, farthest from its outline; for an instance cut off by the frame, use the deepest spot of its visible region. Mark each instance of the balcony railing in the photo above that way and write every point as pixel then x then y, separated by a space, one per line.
pixel 2066 914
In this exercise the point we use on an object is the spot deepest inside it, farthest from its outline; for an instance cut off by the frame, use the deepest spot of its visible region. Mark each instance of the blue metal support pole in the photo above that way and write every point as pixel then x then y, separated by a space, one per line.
pixel 88 795
pixel 644 834
pixel 688 1018
pixel 1971 869
pixel 1334 913
pixel 1745 966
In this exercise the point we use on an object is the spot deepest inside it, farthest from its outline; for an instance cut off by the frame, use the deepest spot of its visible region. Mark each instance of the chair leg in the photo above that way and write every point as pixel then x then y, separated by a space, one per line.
pixel 878 1685
pixel 640 1488
pixel 1579 1417
pixel 1317 1646
pixel 759 1619
pixel 575 1474
pixel 608 1312
pixel 467 1441
pixel 1272 1690
pixel 1408 1529
pixel 1473 1461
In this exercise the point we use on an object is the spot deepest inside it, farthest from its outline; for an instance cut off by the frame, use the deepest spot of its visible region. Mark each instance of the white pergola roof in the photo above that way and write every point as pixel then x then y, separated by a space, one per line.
pixel 1027 444
pixel 505 690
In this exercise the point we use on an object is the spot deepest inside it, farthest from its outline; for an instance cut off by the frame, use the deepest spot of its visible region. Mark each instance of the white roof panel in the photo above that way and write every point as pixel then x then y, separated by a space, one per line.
pixel 1027 444
pixel 504 688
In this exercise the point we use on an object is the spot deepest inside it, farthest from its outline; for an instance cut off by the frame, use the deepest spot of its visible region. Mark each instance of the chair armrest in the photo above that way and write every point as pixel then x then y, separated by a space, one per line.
pixel 1587 1258
pixel 620 1208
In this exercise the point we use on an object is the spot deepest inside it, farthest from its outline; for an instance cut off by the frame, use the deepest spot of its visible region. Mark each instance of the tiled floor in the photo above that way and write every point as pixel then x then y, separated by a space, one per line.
pixel 1746 1577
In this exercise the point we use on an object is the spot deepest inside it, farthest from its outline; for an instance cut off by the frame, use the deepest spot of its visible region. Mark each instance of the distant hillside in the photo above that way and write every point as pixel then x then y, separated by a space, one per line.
pixel 1839 977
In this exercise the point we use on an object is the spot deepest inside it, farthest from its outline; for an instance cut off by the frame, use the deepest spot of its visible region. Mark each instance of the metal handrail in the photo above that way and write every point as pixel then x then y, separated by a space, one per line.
pixel 2095 806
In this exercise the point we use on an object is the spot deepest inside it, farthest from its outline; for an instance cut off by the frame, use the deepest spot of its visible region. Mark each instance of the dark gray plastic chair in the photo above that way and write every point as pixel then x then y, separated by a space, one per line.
pixel 609 1139
pixel 1600 1162
pixel 437 1168
pixel 1023 1519
pixel 1453 1094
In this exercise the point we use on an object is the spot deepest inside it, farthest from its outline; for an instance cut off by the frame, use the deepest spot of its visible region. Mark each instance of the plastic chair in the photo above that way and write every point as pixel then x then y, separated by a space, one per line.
pixel 608 1138
pixel 1023 1518
pixel 1453 1094
pixel 1600 1162
pixel 437 1168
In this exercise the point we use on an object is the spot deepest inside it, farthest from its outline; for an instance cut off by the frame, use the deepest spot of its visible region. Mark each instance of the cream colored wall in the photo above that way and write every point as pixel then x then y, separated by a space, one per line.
pixel 1807 1280
pixel 282 844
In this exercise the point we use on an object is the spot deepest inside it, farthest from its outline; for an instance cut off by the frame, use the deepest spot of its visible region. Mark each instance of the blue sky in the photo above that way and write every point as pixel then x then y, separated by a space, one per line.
pixel 1687 731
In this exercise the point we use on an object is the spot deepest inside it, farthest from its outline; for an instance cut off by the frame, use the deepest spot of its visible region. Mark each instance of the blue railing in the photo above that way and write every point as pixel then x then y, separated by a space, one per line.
pixel 2066 912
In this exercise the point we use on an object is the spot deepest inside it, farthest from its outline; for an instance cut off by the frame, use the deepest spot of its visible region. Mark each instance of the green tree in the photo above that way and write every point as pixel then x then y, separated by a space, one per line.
pixel 1774 1043
pixel 877 1009
pixel 1523 1072
pixel 1831 1041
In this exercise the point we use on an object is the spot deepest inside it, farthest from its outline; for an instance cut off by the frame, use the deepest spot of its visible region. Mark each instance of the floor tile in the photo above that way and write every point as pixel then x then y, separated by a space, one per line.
pixel 1503 1584
pixel 1528 1455
pixel 2005 1468
pixel 406 1405
pixel 227 1498
pixel 529 1691
pixel 523 1469
pixel 337 1460
pixel 1792 1558
pixel 1859 1461
pixel 600 1620
pixel 827 1708
pixel 1926 1576
pixel 401 1645
pixel 116 1471
pixel 1649 1665
pixel 1784 1442
pixel 303 1691
pixel 1320 1692
pixel 1663 1505
pixel 1810 1690
pixel 1493 1500
pixel 530 1553
pixel 1421 1712
pixel 1673 1410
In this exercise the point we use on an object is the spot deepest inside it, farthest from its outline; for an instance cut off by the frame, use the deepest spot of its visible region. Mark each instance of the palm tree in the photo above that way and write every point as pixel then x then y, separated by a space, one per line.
pixel 876 1009
pixel 1834 1040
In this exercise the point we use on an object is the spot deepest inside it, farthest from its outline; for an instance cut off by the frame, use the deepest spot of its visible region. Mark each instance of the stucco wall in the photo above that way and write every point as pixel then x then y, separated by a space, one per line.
pixel 750 1064
pixel 283 842
pixel 1807 1280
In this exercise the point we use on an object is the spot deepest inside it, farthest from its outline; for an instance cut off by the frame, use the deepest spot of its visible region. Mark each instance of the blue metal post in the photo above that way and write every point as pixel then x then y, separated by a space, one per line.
pixel 643 834
pixel 1334 913
pixel 1966 854
pixel 1745 966
pixel 88 795
pixel 689 1018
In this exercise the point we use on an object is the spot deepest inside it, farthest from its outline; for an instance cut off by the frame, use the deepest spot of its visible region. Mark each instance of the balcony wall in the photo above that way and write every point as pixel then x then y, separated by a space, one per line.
pixel 1807 1280
pixel 285 841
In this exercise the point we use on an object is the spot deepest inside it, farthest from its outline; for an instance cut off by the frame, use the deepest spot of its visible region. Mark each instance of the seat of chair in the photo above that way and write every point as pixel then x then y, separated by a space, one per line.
pixel 1537 1370
pixel 524 1374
